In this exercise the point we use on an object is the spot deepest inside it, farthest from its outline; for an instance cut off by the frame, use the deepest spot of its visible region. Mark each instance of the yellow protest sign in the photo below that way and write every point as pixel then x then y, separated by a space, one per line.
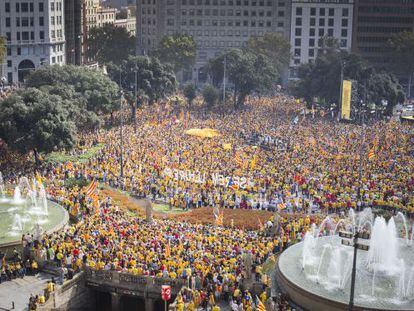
pixel 346 99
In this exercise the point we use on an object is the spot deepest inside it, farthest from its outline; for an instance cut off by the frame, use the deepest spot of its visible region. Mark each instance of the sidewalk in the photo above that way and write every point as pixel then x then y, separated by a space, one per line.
pixel 19 290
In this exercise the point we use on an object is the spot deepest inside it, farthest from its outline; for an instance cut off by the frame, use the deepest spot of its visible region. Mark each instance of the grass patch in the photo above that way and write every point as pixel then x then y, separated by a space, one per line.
pixel 62 156
pixel 164 208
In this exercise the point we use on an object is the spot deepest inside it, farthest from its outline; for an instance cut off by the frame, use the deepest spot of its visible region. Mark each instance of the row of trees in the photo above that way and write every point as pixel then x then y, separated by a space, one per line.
pixel 56 102
pixel 321 80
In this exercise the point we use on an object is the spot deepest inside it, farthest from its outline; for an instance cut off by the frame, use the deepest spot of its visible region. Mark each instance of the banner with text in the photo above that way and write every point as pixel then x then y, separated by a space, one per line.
pixel 346 99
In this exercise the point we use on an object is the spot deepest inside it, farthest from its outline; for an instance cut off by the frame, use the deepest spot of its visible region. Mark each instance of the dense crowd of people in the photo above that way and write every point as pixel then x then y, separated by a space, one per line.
pixel 302 165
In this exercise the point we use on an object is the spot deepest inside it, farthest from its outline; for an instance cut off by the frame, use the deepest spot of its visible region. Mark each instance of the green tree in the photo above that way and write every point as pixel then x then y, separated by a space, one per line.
pixel 154 80
pixel 210 95
pixel 274 46
pixel 76 104
pixel 100 93
pixel 110 44
pixel 34 120
pixel 402 56
pixel 190 93
pixel 246 71
pixel 178 50
pixel 322 79
pixel 2 53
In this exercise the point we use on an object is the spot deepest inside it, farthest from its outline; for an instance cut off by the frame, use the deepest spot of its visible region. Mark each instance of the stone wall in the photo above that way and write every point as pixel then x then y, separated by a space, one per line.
pixel 72 295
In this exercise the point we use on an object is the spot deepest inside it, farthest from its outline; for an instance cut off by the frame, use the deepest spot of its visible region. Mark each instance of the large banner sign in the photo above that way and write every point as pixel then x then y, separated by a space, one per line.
pixel 346 99
pixel 201 178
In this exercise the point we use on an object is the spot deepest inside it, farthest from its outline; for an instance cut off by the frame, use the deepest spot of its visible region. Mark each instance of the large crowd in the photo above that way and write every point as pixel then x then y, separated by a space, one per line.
pixel 301 164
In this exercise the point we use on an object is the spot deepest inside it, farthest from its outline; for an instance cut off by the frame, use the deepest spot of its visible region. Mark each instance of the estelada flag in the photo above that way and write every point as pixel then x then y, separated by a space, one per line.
pixel 371 154
pixel 91 188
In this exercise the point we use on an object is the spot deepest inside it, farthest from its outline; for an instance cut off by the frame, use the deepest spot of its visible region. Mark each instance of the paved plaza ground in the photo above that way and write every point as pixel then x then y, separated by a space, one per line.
pixel 19 290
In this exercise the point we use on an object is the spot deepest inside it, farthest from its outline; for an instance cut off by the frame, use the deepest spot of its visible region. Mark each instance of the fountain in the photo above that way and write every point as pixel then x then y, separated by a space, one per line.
pixel 28 211
pixel 316 273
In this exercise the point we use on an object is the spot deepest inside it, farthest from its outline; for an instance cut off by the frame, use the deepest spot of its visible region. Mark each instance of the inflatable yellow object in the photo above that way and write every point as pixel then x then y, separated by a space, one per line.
pixel 203 133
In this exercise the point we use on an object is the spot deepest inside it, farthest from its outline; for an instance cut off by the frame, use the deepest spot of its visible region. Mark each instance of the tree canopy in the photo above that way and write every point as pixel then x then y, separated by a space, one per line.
pixel 177 50
pixel 274 46
pixel 34 120
pixel 2 49
pixel 246 71
pixel 154 79
pixel 190 92
pixel 322 80
pixel 110 44
pixel 402 55
pixel 100 93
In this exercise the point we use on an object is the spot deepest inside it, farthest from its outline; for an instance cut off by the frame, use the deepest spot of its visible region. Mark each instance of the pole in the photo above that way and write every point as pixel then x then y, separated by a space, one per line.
pixel 224 78
pixel 120 131
pixel 341 88
pixel 351 299
pixel 165 303
pixel 136 98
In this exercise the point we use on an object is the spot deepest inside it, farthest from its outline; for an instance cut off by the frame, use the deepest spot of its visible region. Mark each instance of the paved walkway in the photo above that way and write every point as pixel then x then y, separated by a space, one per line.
pixel 19 290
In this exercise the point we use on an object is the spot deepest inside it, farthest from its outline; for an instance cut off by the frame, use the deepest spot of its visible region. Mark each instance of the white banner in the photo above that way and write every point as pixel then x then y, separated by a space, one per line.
pixel 201 178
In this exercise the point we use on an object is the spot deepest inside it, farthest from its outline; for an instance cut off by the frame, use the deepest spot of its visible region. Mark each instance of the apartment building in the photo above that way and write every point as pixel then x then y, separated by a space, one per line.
pixel 34 30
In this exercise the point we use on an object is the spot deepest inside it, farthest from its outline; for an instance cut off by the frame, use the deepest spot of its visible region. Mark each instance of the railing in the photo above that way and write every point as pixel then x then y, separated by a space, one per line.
pixel 138 283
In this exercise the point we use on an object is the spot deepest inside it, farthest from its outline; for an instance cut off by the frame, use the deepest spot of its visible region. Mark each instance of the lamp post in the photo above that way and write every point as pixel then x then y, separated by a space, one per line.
pixel 351 239
pixel 121 138
pixel 224 78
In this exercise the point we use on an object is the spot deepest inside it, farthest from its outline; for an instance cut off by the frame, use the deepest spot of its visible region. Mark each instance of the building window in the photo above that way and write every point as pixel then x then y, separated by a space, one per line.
pixel 311 52
pixel 322 12
pixel 298 32
pixel 331 12
pixel 25 7
pixel 298 21
pixel 330 32
pixel 42 35
pixel 343 43
pixel 41 21
pixel 344 32
pixel 8 36
pixel 321 22
pixel 311 42
pixel 299 11
pixel 9 63
pixel 321 32
pixel 298 42
pixel 330 22
pixel 7 21
pixel 281 13
pixel 344 22
pixel 17 7
pixel 345 12
pixel 40 7
pixel 311 32
pixel 313 11
pixel 7 7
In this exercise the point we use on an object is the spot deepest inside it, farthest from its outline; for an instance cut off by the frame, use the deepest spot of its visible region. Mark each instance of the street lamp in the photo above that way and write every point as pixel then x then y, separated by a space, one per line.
pixel 351 239
pixel 121 95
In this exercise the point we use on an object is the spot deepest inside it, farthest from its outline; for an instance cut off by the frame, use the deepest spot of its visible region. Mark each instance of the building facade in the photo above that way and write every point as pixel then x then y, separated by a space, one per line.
pixel 375 22
pixel 73 31
pixel 34 30
pixel 129 22
pixel 215 25
pixel 312 20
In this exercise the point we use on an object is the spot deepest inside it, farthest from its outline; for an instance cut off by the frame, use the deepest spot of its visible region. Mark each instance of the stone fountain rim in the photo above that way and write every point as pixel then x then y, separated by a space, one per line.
pixel 57 227
pixel 292 289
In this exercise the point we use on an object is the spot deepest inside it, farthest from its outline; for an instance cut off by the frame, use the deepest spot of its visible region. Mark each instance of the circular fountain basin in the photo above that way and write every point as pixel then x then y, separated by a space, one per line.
pixel 313 290
pixel 10 229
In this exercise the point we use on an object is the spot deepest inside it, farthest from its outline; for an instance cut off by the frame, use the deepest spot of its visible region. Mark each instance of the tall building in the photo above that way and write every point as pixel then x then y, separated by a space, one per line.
pixel 313 19
pixel 73 31
pixel 375 22
pixel 126 18
pixel 215 25
pixel 119 3
pixel 34 30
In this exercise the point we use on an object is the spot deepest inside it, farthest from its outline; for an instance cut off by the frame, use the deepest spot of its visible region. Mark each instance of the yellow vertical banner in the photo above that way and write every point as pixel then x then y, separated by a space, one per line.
pixel 346 99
